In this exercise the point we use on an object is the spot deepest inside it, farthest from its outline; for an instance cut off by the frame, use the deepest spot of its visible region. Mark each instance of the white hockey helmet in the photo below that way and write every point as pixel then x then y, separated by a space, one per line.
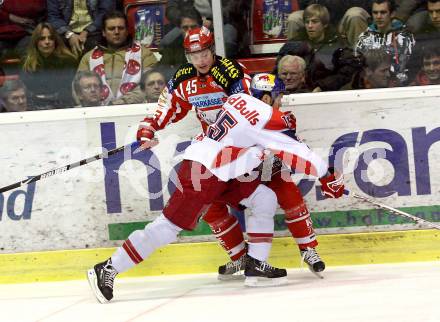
pixel 262 83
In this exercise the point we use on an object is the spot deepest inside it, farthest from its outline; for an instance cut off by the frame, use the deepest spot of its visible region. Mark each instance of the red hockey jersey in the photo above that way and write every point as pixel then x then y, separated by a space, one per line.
pixel 205 94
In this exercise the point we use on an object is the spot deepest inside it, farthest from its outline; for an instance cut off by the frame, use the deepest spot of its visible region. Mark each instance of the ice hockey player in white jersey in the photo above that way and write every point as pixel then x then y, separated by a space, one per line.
pixel 216 168
pixel 277 177
pixel 244 130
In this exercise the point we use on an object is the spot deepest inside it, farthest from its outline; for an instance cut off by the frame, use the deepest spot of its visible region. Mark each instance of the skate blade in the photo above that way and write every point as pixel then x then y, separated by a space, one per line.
pixel 317 274
pixel 255 281
pixel 231 277
pixel 93 282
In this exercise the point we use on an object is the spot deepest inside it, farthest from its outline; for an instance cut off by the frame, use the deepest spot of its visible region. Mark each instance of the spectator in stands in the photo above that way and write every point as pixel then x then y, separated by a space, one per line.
pixel 413 13
pixel 318 77
pixel 320 35
pixel 376 71
pixel 349 18
pixel 171 45
pixel 430 71
pixel 389 35
pixel 79 21
pixel 18 19
pixel 152 84
pixel 430 28
pixel 328 51
pixel 234 19
pixel 291 72
pixel 428 31
pixel 434 13
pixel 119 61
pixel 48 69
pixel 13 96
pixel 176 7
pixel 236 14
pixel 88 88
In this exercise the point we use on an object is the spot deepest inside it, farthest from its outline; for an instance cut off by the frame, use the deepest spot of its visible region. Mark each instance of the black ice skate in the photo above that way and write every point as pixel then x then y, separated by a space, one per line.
pixel 232 270
pixel 312 259
pixel 259 273
pixel 101 279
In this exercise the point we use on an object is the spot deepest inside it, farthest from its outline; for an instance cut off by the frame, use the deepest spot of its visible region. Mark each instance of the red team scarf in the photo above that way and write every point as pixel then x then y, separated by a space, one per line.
pixel 131 74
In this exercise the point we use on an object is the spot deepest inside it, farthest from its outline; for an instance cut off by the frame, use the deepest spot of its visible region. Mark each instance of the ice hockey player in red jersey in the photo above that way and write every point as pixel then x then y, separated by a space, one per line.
pixel 297 216
pixel 214 169
pixel 203 85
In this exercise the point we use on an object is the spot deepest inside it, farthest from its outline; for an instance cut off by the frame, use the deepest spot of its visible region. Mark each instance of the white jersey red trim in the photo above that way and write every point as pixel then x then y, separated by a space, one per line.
pixel 237 142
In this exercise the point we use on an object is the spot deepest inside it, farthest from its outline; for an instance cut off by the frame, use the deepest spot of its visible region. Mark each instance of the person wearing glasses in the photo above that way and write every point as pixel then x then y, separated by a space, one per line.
pixel 88 88
pixel 152 84
pixel 291 72
pixel 13 96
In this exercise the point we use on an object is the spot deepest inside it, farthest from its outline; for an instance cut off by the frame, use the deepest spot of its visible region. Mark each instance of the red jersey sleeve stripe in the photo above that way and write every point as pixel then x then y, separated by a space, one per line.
pixel 297 163
pixel 227 155
pixel 173 110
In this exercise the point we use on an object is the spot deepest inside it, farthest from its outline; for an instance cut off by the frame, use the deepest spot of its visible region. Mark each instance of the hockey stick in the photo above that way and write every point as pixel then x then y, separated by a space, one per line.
pixel 65 168
pixel 393 210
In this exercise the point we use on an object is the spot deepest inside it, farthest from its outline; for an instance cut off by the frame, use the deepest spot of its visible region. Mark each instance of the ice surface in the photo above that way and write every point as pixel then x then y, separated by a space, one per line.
pixel 391 292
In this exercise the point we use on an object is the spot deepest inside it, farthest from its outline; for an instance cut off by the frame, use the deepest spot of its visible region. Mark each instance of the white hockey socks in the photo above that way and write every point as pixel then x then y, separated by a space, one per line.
pixel 141 243
pixel 262 204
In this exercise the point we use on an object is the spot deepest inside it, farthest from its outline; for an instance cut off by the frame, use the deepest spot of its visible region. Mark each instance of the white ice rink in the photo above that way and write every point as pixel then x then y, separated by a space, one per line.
pixel 386 293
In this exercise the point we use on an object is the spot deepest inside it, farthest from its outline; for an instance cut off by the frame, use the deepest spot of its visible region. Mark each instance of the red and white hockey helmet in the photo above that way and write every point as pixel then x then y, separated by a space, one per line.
pixel 198 39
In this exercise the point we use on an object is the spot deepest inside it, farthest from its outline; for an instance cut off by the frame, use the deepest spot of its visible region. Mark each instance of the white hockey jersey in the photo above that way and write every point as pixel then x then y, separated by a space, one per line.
pixel 245 131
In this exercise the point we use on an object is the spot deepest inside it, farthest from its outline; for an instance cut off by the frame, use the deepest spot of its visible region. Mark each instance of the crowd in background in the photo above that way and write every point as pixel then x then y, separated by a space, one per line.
pixel 74 53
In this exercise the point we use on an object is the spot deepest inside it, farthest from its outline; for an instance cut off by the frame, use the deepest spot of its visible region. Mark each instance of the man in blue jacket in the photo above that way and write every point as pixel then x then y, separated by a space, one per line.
pixel 79 21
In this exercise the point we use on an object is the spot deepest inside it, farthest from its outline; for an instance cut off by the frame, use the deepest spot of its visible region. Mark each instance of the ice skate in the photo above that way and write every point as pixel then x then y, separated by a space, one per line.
pixel 260 273
pixel 101 279
pixel 311 257
pixel 232 270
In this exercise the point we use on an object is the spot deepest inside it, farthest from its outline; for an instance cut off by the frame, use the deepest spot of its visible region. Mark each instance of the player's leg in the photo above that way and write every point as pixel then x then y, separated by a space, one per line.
pixel 182 211
pixel 238 189
pixel 262 204
pixel 227 230
pixel 297 219
pixel 139 245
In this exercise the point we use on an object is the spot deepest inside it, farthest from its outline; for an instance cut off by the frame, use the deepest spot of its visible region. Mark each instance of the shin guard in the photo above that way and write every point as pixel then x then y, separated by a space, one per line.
pixel 226 229
pixel 297 215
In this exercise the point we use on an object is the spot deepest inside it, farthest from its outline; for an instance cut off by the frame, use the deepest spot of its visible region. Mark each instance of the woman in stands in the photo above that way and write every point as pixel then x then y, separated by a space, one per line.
pixel 48 70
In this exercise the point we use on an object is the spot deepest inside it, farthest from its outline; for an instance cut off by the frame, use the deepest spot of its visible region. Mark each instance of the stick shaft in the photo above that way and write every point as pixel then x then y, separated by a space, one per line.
pixel 62 169
pixel 396 211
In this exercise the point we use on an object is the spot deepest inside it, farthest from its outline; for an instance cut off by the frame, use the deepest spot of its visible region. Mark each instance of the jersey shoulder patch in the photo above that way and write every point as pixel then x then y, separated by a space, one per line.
pixel 183 73
pixel 226 72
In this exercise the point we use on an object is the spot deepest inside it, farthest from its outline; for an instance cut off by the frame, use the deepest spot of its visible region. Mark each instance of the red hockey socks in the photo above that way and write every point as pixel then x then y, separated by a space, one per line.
pixel 226 229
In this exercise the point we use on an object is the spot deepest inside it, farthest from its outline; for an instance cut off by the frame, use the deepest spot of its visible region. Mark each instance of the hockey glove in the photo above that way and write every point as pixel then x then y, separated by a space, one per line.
pixel 145 133
pixel 332 185
pixel 290 120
